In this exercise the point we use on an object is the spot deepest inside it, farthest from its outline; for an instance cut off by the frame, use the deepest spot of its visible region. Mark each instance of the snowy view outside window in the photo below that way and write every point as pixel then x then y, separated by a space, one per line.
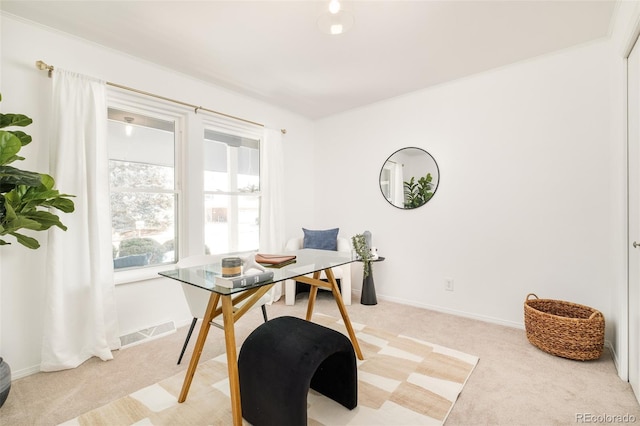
pixel 142 186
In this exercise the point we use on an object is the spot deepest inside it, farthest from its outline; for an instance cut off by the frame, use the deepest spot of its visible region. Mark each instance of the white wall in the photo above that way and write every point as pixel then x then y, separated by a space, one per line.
pixel 530 196
pixel 27 90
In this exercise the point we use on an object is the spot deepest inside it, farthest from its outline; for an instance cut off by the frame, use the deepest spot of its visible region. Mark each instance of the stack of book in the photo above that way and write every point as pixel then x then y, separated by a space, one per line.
pixel 244 280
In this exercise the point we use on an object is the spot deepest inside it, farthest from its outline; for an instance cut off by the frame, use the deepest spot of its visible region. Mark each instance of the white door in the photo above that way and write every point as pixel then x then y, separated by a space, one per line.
pixel 633 123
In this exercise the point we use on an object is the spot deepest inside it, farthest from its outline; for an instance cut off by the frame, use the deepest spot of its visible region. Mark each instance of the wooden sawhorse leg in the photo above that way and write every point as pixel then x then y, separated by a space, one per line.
pixel 332 285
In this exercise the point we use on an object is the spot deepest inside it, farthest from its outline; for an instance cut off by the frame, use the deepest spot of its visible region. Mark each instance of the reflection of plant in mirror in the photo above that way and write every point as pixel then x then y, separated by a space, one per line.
pixel 361 248
pixel 417 193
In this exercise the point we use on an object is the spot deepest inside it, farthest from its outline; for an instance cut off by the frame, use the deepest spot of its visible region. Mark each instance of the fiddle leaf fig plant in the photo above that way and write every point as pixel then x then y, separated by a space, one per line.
pixel 25 196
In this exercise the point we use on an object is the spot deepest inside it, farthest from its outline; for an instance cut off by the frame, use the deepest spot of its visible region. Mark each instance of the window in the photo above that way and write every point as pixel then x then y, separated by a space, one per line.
pixel 231 192
pixel 176 193
pixel 144 198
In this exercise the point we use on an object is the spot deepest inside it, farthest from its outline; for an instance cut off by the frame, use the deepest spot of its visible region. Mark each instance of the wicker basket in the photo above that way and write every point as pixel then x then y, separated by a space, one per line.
pixel 564 329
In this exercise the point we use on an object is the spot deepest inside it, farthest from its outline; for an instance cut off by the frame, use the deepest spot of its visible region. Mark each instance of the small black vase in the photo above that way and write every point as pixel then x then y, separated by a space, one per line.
pixel 5 381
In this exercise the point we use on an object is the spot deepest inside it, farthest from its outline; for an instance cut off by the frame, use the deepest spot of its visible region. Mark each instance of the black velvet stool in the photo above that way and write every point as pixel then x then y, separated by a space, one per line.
pixel 285 356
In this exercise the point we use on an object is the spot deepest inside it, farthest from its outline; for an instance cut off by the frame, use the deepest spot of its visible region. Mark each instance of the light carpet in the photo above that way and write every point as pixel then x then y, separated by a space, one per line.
pixel 401 381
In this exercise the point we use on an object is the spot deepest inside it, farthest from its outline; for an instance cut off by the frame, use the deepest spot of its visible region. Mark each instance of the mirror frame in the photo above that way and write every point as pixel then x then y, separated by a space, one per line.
pixel 384 167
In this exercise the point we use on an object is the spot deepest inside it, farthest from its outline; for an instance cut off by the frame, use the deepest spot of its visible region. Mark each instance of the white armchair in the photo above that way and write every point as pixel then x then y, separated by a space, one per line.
pixel 342 273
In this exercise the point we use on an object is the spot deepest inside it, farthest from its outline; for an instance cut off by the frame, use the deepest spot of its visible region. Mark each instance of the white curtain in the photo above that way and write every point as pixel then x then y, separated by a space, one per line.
pixel 272 207
pixel 80 316
pixel 398 185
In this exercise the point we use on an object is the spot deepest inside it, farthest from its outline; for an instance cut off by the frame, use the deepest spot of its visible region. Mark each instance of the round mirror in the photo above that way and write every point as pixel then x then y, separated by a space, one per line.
pixel 409 178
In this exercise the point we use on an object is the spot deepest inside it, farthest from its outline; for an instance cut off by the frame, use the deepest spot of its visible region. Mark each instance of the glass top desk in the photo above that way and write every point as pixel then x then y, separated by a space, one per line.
pixel 308 261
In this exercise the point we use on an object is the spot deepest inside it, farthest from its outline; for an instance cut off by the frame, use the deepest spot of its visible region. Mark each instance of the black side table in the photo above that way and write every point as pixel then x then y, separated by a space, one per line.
pixel 368 295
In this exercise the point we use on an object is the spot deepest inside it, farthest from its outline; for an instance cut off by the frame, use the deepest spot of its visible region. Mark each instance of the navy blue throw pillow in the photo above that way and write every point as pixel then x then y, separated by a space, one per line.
pixel 323 240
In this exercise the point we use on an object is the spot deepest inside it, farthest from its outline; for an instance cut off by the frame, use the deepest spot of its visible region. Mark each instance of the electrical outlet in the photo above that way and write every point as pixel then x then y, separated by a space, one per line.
pixel 448 284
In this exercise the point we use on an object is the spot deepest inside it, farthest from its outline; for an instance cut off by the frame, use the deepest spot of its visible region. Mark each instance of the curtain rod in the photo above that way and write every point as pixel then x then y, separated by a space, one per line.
pixel 43 66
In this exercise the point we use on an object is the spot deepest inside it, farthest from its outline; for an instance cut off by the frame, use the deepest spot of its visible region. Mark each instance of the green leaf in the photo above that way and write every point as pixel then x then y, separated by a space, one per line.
pixel 22 222
pixel 10 213
pixel 25 139
pixel 45 220
pixel 9 146
pixel 20 120
pixel 47 181
pixel 41 197
pixel 40 193
pixel 14 158
pixel 28 242
pixel 10 178
pixel 63 204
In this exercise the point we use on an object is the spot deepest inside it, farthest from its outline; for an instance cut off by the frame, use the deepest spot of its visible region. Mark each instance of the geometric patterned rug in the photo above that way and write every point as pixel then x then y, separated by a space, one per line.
pixel 401 381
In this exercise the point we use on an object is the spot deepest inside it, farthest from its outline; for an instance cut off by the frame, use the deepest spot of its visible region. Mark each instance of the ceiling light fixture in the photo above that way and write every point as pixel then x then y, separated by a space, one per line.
pixel 128 128
pixel 336 21
pixel 334 7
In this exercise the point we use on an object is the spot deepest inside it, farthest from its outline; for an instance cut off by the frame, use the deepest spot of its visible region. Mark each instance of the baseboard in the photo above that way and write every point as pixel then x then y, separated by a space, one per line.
pixel 616 361
pixel 182 323
pixel 127 340
pixel 464 314
pixel 24 372
pixel 147 334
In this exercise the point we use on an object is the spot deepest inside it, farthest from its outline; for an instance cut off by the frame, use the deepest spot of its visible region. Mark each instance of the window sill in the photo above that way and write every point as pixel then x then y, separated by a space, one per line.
pixel 140 274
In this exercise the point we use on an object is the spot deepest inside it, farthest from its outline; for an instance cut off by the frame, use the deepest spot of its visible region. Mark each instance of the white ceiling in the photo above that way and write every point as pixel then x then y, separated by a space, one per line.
pixel 274 51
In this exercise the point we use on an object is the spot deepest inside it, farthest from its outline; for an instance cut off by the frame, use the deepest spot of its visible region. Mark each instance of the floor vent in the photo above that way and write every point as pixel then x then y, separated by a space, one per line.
pixel 147 334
